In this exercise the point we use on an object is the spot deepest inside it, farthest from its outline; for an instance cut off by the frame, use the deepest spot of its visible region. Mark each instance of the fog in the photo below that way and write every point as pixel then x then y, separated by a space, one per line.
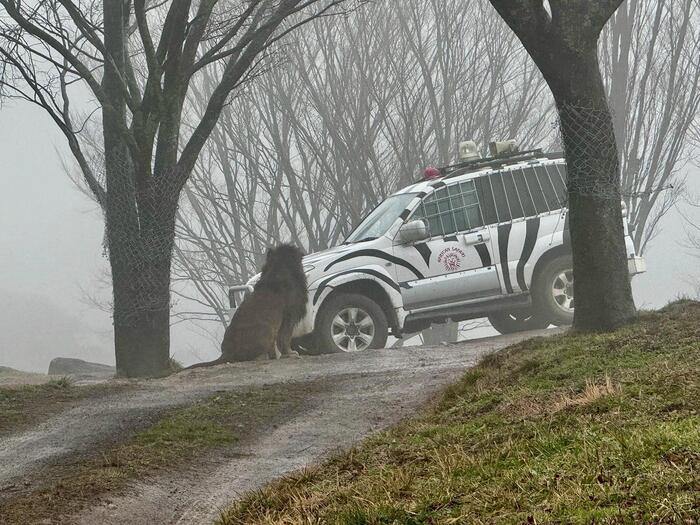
pixel 362 170
pixel 51 257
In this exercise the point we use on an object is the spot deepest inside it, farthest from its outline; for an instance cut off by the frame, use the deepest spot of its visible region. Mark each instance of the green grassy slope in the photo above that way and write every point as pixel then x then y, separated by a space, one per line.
pixel 601 428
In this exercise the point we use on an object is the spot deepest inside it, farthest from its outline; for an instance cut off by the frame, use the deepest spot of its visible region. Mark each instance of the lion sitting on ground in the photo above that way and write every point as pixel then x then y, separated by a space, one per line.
pixel 266 318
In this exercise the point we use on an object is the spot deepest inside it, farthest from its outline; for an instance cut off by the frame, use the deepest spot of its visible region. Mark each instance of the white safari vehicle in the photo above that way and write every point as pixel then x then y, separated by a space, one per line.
pixel 484 238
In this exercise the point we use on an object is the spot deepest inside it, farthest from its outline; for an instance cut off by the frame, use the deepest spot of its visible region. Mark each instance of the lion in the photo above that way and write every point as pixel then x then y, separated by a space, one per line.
pixel 267 317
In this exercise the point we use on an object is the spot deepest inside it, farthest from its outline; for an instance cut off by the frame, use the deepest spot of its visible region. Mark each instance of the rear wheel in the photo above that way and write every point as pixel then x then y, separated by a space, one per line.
pixel 351 323
pixel 520 321
pixel 553 291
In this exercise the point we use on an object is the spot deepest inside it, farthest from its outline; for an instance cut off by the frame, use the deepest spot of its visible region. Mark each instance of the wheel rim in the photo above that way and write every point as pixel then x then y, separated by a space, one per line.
pixel 563 291
pixel 352 330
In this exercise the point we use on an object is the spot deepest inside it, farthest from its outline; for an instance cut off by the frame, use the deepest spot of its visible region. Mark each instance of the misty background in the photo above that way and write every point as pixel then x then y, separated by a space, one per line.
pixel 51 257
pixel 54 296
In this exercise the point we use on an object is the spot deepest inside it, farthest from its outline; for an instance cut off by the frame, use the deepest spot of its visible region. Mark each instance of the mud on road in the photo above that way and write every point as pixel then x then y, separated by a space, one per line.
pixel 333 402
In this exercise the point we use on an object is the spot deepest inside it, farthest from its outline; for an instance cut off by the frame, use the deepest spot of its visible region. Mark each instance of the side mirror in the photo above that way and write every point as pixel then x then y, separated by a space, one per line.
pixel 414 231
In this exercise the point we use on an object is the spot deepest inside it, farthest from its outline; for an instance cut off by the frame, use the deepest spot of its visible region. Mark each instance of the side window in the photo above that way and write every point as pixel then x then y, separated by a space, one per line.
pixel 553 177
pixel 501 197
pixel 534 187
pixel 487 199
pixel 522 192
pixel 451 209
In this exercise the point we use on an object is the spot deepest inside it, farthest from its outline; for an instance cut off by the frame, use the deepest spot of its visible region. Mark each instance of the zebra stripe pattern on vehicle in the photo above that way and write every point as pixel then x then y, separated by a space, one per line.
pixel 503 238
pixel 324 284
pixel 484 255
pixel 378 254
pixel 532 228
pixel 424 251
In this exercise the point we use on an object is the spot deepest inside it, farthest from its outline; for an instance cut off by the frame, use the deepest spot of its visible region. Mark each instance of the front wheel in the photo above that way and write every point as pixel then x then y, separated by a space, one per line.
pixel 553 291
pixel 351 323
pixel 520 321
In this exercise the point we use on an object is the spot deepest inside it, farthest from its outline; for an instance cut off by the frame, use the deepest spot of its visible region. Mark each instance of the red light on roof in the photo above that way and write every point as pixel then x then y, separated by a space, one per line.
pixel 431 173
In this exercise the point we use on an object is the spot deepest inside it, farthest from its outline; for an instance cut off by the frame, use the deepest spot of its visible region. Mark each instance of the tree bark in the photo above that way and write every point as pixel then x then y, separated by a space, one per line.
pixel 140 220
pixel 603 291
pixel 140 281
pixel 141 267
pixel 141 334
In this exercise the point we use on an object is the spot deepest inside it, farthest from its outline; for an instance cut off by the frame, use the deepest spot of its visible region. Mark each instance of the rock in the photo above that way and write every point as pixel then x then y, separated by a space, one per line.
pixel 65 366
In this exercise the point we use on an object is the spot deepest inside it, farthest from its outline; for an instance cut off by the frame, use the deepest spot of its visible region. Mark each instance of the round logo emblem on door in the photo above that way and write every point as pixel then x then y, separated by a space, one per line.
pixel 451 258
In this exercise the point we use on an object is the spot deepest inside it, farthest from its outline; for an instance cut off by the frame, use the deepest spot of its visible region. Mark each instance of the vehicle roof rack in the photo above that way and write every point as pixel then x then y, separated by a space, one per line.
pixel 455 170
pixel 493 162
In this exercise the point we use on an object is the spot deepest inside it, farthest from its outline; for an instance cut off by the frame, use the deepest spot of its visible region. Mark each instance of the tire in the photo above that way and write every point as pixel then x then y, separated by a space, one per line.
pixel 553 291
pixel 336 330
pixel 520 321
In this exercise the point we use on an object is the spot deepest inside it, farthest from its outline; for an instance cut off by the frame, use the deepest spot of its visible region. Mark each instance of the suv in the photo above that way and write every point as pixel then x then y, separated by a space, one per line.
pixel 485 238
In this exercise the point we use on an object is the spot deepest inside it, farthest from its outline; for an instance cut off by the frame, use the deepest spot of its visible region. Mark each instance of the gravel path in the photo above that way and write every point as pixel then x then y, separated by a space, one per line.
pixel 353 395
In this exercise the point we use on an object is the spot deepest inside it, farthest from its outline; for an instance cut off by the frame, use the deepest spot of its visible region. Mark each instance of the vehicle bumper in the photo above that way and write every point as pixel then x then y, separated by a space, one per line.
pixel 636 265
pixel 237 294
pixel 242 289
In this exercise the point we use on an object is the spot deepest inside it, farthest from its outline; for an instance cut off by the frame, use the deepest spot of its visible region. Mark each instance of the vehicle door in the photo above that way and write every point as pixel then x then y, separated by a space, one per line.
pixel 520 204
pixel 456 261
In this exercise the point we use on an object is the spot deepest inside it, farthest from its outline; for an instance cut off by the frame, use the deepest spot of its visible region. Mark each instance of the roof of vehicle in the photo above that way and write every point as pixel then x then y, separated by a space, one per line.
pixel 475 168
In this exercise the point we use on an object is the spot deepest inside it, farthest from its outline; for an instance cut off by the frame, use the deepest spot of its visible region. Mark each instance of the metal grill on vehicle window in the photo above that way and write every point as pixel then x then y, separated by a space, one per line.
pixel 521 192
pixel 454 208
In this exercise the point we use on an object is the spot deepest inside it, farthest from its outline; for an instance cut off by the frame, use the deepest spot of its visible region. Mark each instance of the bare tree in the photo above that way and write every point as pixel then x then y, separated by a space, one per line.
pixel 562 38
pixel 358 107
pixel 649 54
pixel 137 59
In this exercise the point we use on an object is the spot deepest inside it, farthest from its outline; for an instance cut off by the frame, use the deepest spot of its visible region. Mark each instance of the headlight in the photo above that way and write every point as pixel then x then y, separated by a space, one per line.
pixel 308 268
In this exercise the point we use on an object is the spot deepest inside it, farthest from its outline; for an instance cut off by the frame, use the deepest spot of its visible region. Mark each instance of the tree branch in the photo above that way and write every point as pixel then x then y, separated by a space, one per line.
pixel 12 10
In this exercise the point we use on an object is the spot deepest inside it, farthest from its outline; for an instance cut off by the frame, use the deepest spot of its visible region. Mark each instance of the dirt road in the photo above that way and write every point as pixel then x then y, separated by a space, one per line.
pixel 349 397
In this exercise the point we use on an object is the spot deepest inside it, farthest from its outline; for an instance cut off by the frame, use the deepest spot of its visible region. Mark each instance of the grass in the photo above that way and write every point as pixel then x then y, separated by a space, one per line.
pixel 175 365
pixel 597 428
pixel 22 406
pixel 179 436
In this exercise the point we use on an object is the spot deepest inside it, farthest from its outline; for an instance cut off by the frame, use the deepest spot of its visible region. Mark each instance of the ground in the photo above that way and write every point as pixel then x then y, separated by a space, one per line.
pixel 577 428
pixel 180 449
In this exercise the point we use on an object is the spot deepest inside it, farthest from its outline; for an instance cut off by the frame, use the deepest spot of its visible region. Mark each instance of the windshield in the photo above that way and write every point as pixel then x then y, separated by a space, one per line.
pixel 380 219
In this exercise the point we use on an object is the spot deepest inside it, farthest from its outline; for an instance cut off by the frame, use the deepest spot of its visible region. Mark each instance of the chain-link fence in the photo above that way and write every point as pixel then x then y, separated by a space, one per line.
pixel 588 137
pixel 140 223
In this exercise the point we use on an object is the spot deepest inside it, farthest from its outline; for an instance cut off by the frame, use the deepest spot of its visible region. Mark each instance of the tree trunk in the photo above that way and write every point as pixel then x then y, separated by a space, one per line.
pixel 142 338
pixel 140 221
pixel 141 283
pixel 562 39
pixel 603 291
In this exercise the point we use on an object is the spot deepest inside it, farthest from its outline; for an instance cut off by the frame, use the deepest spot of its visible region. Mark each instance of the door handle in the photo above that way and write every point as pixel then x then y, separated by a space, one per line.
pixel 476 238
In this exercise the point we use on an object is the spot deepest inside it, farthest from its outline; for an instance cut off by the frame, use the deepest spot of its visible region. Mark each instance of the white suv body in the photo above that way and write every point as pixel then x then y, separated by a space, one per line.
pixel 491 227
